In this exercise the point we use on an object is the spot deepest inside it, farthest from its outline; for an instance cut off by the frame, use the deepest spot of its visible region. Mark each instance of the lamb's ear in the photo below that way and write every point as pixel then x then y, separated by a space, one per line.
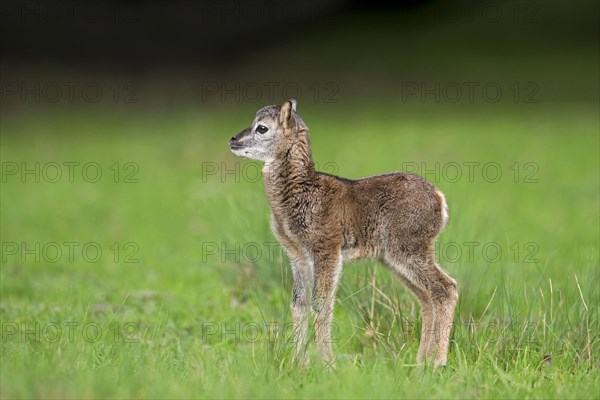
pixel 285 114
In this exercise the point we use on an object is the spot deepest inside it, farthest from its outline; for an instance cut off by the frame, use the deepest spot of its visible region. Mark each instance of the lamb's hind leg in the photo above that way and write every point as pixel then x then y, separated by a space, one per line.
pixel 445 296
pixel 427 310
pixel 425 275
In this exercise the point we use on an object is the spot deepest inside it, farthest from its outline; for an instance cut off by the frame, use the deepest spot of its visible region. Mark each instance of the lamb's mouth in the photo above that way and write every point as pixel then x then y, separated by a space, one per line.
pixel 236 146
pixel 239 150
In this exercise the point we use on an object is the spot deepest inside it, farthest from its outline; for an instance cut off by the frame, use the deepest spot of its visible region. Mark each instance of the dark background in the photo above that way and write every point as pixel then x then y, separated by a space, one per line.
pixel 367 47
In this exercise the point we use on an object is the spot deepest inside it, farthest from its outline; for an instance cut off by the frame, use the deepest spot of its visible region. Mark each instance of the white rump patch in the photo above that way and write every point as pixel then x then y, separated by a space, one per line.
pixel 445 214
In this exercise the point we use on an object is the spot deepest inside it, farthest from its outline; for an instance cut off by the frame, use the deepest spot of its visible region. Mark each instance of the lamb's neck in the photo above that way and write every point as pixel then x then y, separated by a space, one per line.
pixel 290 176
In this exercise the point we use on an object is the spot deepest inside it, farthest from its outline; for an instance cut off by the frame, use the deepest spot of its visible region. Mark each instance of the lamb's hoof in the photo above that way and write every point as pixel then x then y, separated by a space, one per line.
pixel 437 364
pixel 301 362
pixel 329 365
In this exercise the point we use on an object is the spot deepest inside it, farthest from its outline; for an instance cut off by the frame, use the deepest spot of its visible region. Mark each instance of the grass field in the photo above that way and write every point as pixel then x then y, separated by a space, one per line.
pixel 190 294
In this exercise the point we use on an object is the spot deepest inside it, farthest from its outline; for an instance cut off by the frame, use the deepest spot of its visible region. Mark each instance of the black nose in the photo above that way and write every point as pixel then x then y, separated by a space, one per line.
pixel 233 143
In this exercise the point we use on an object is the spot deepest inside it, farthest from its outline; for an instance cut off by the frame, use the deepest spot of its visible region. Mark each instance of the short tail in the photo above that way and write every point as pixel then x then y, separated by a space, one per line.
pixel 444 208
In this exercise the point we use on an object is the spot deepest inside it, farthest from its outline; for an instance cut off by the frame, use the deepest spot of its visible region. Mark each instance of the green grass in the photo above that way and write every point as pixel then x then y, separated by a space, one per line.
pixel 183 321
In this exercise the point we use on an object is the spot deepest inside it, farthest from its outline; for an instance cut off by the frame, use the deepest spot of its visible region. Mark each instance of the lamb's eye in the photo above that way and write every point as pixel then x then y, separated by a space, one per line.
pixel 261 129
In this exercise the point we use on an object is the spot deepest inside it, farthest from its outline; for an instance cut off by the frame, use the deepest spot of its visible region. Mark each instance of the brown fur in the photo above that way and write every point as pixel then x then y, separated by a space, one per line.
pixel 323 221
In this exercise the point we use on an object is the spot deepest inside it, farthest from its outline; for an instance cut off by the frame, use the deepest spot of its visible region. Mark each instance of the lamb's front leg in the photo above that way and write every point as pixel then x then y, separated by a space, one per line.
pixel 303 276
pixel 327 272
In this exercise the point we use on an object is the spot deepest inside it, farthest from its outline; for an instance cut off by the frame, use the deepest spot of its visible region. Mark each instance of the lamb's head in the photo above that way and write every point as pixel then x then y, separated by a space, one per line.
pixel 274 129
